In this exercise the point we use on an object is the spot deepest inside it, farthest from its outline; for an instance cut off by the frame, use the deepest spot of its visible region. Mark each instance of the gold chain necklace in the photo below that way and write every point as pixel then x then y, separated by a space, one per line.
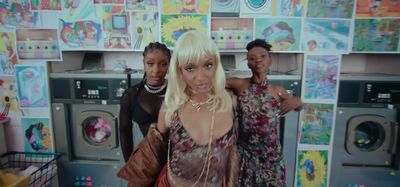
pixel 207 162
pixel 198 105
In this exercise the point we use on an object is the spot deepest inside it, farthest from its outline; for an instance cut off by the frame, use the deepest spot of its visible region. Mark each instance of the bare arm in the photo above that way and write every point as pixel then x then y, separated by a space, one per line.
pixel 161 125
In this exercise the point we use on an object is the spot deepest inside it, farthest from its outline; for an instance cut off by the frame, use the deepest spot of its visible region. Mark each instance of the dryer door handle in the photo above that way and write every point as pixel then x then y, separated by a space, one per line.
pixel 394 129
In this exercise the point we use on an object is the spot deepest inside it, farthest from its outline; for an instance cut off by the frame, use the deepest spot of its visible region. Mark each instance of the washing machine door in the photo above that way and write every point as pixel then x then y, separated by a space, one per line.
pixel 97 129
pixel 371 140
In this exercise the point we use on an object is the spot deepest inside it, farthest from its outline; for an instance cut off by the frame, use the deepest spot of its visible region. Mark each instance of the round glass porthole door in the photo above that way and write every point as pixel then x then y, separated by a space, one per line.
pixel 369 136
pixel 96 130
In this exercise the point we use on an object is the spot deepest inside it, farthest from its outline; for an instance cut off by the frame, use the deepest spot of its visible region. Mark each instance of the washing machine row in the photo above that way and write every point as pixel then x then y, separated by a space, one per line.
pixel 366 147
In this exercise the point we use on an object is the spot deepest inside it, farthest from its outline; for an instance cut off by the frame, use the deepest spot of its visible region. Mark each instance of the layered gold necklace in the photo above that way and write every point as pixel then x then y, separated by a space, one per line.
pixel 198 105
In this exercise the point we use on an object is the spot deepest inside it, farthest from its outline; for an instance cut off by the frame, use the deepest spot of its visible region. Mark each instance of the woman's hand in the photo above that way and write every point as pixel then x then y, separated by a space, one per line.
pixel 289 103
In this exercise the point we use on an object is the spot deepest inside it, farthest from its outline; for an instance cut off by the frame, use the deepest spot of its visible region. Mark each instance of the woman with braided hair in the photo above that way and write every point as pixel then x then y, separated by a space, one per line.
pixel 140 104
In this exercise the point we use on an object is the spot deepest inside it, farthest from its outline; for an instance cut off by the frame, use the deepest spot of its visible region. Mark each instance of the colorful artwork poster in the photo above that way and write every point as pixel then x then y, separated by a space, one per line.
pixel 145 29
pixel 143 5
pixel 282 33
pixel 316 125
pixel 38 44
pixel 256 8
pixel 78 9
pixel 80 34
pixel 186 6
pixel 8 53
pixel 9 104
pixel 32 86
pixel 326 35
pixel 378 8
pixel 312 169
pixel 173 26
pixel 120 2
pixel 46 5
pixel 17 15
pixel 225 8
pixel 232 33
pixel 330 8
pixel 295 8
pixel 376 35
pixel 321 77
pixel 37 135
pixel 116 23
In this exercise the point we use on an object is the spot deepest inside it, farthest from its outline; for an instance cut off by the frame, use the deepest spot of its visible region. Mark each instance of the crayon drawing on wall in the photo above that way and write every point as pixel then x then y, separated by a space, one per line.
pixel 37 135
pixel 282 33
pixel 291 8
pixel 141 5
pixel 330 8
pixel 326 35
pixel 9 105
pixel 8 53
pixel 46 5
pixel 316 125
pixel 312 168
pixel 321 77
pixel 116 22
pixel 256 8
pixel 377 8
pixel 232 33
pixel 376 35
pixel 78 9
pixel 145 29
pixel 119 2
pixel 38 44
pixel 32 85
pixel 186 6
pixel 173 26
pixel 17 15
pixel 225 7
pixel 79 35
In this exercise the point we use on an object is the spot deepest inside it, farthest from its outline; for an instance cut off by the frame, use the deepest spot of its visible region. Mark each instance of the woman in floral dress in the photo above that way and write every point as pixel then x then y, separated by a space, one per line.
pixel 260 105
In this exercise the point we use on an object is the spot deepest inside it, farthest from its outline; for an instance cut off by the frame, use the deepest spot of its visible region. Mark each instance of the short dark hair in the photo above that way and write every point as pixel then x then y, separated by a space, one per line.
pixel 259 43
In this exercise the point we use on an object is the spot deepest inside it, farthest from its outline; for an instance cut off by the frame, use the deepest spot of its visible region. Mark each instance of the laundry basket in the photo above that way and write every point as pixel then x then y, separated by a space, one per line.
pixel 43 165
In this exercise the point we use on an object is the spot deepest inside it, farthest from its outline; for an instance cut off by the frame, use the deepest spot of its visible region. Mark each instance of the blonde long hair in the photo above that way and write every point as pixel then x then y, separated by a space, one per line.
pixel 191 48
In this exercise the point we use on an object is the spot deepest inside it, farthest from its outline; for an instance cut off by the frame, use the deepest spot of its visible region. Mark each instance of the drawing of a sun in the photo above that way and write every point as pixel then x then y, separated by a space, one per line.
pixel 174 26
pixel 312 169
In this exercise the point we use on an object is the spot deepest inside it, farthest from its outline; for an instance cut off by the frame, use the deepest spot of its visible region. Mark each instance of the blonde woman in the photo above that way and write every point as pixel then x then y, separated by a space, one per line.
pixel 197 117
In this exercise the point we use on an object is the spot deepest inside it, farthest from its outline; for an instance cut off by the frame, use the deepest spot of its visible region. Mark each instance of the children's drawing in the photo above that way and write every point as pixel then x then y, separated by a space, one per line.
pixel 173 26
pixel 8 53
pixel 37 135
pixel 17 14
pixel 145 29
pixel 144 5
pixel 38 44
pixel 321 78
pixel 120 2
pixel 291 8
pixel 116 32
pixel 78 9
pixel 46 5
pixel 9 97
pixel 376 35
pixel 316 125
pixel 32 86
pixel 79 35
pixel 186 6
pixel 330 9
pixel 326 35
pixel 282 33
pixel 255 8
pixel 225 8
pixel 378 8
pixel 312 169
pixel 232 33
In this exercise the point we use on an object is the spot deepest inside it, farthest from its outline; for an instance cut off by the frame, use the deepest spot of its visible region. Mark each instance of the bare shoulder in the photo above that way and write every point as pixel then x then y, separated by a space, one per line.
pixel 237 84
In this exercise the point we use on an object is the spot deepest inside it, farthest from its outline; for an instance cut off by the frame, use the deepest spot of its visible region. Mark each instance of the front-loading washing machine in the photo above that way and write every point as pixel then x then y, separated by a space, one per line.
pixel 366 147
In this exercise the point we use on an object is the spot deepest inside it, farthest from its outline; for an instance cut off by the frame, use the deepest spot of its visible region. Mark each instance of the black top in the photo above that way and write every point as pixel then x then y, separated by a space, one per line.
pixel 141 106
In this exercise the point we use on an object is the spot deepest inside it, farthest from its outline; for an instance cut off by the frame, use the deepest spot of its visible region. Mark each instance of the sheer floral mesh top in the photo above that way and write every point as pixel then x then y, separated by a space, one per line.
pixel 187 158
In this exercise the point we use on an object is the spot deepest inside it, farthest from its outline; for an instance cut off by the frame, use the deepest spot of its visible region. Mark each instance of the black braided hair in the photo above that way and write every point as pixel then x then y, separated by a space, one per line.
pixel 259 43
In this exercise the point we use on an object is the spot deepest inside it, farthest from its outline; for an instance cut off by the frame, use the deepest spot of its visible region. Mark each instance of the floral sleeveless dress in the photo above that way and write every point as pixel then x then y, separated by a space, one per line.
pixel 261 160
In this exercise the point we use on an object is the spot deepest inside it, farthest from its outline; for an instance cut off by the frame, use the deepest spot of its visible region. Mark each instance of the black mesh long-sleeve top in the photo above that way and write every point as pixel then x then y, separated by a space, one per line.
pixel 141 106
